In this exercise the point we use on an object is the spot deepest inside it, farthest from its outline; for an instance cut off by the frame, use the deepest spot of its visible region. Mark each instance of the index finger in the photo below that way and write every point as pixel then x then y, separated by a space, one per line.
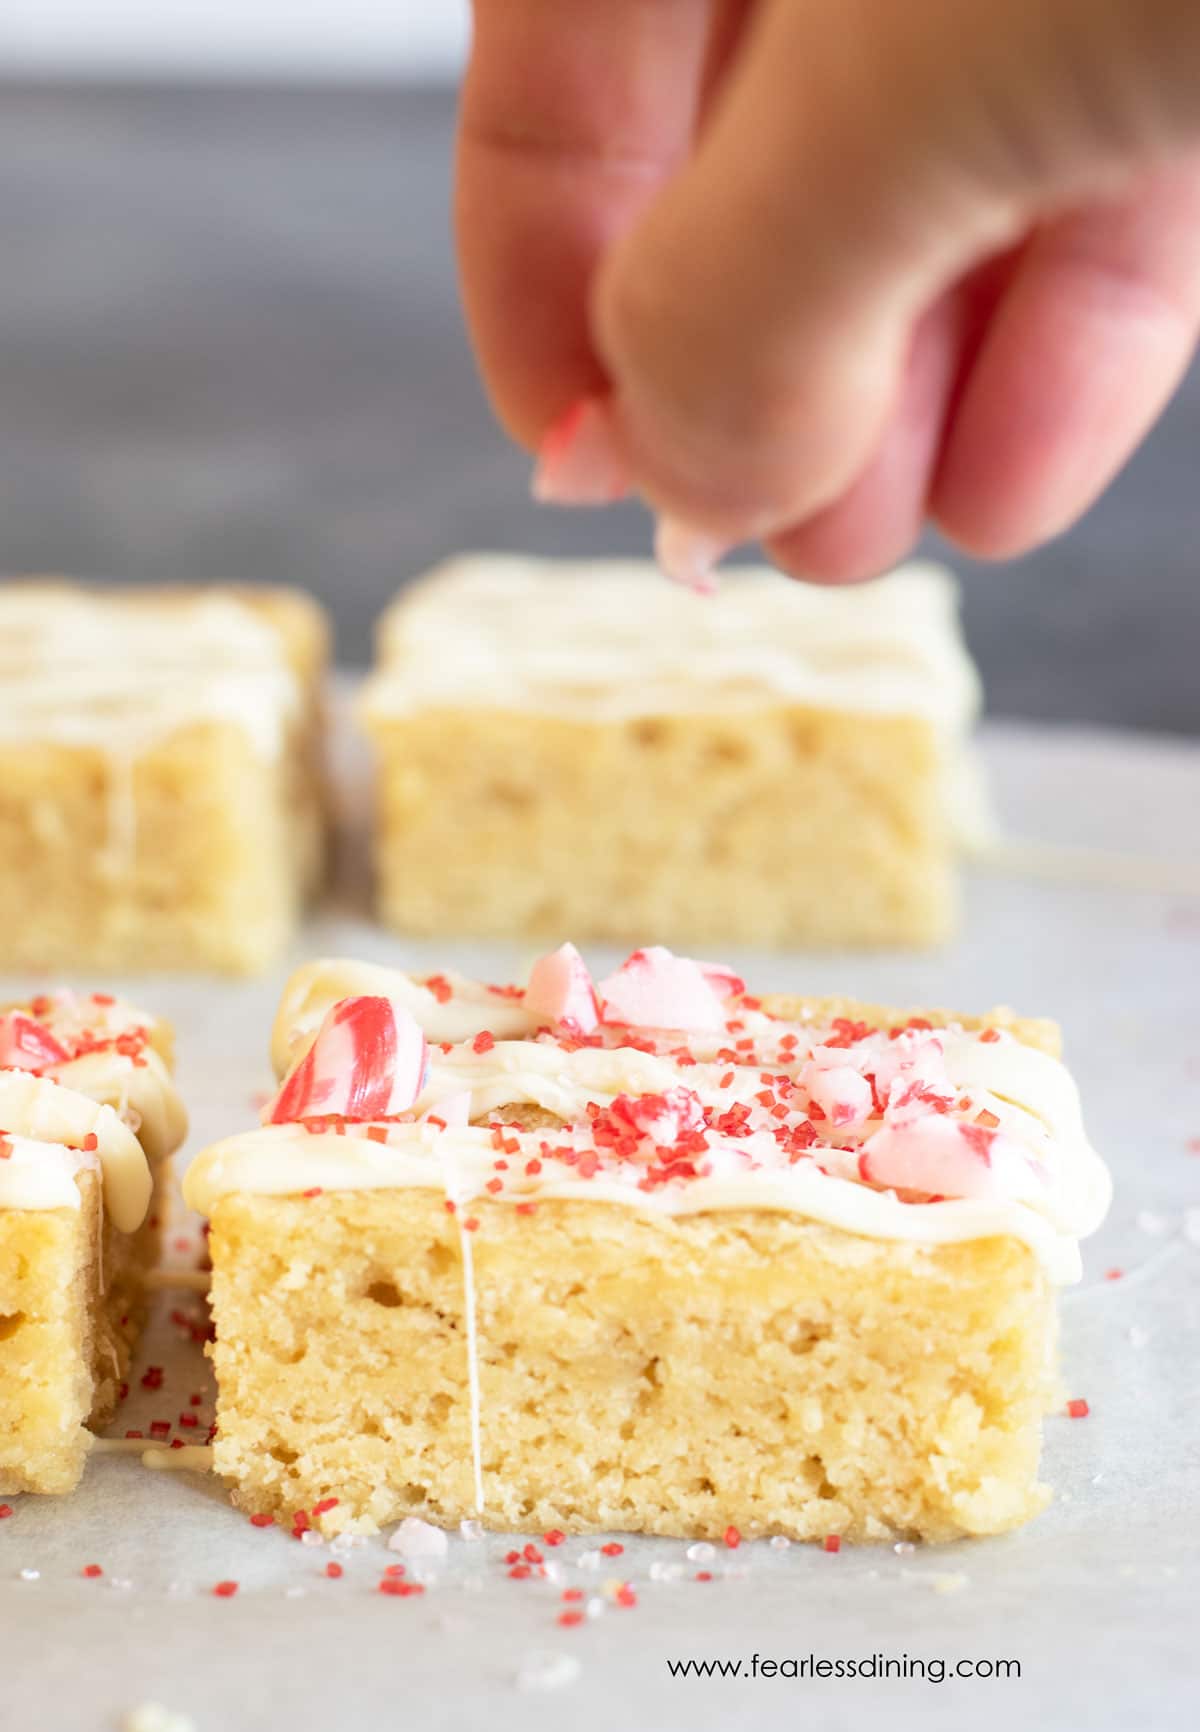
pixel 573 113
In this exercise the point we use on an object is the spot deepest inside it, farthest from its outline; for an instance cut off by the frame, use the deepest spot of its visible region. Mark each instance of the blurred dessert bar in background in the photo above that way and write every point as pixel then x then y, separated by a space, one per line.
pixel 161 804
pixel 587 748
pixel 90 1118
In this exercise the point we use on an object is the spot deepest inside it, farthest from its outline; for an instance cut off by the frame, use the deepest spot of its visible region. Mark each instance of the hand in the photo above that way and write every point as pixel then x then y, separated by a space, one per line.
pixel 823 270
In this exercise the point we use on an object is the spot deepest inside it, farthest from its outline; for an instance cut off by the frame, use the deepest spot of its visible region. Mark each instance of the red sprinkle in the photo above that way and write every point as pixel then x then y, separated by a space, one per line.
pixel 5 1511
pixel 324 1506
pixel 401 1589
pixel 484 1041
pixel 91 1571
pixel 225 1590
pixel 1078 1408
pixel 732 1538
pixel 704 1575
pixel 625 1595
pixel 554 1538
pixel 313 1191
pixel 532 1555
pixel 833 1542
pixel 572 1594
pixel 262 1521
pixel 1113 1274
pixel 471 1225
pixel 569 1619
pixel 613 1549
pixel 333 1571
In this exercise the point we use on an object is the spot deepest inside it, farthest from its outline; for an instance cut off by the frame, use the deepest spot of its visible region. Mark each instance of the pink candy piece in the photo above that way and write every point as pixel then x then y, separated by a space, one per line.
pixel 368 1062
pixel 842 1093
pixel 688 556
pixel 937 1156
pixel 560 990
pixel 724 982
pixel 655 989
pixel 662 1118
pixel 28 1045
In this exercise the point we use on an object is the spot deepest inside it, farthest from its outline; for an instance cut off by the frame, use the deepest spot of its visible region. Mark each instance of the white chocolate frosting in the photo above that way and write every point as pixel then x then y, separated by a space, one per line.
pixel 610 639
pixel 120 670
pixel 99 1098
pixel 750 1112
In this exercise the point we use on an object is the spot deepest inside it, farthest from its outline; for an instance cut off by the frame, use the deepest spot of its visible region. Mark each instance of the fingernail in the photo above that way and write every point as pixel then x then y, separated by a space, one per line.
pixel 581 460
pixel 688 556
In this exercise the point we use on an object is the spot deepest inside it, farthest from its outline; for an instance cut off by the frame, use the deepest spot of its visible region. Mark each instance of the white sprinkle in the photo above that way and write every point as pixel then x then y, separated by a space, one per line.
pixel 553 1572
pixel 310 1537
pixel 588 1560
pixel 903 1548
pixel 1138 1336
pixel 540 1671
pixel 780 1543
pixel 595 1606
pixel 1150 1222
pixel 31 1575
pixel 1191 1225
pixel 294 1593
pixel 417 1539
pixel 660 1571
pixel 471 1529
pixel 1096 1478
pixel 346 1542
pixel 701 1553
pixel 153 1717
pixel 119 1582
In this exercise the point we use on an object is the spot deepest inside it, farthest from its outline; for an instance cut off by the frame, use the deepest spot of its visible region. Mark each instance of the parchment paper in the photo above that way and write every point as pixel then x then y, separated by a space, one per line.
pixel 1098 1600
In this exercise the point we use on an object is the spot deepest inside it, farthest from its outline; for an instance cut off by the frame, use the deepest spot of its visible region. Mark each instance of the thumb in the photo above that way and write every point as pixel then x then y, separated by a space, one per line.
pixel 756 321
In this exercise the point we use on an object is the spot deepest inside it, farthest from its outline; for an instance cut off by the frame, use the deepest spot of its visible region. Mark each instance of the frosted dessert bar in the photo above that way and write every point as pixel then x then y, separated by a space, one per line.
pixel 89 1117
pixel 587 748
pixel 160 801
pixel 651 1255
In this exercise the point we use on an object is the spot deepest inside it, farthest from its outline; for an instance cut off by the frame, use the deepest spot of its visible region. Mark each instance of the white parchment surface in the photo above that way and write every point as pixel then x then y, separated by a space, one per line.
pixel 1098 1600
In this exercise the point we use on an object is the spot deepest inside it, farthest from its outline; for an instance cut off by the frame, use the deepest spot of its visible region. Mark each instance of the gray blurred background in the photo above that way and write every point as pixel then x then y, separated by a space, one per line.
pixel 230 347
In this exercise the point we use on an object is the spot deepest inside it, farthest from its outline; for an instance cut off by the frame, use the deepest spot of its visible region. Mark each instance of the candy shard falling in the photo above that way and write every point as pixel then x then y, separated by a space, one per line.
pixel 368 1061
pixel 688 556
pixel 581 460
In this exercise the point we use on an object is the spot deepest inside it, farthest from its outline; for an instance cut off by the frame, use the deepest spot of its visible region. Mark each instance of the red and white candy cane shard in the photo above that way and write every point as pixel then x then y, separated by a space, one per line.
pixel 560 990
pixel 653 988
pixel 938 1156
pixel 843 1094
pixel 28 1045
pixel 368 1062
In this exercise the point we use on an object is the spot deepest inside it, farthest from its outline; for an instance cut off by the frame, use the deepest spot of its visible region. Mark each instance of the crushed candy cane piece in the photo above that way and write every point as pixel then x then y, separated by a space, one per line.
pixel 653 988
pixel 560 990
pixel 368 1061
